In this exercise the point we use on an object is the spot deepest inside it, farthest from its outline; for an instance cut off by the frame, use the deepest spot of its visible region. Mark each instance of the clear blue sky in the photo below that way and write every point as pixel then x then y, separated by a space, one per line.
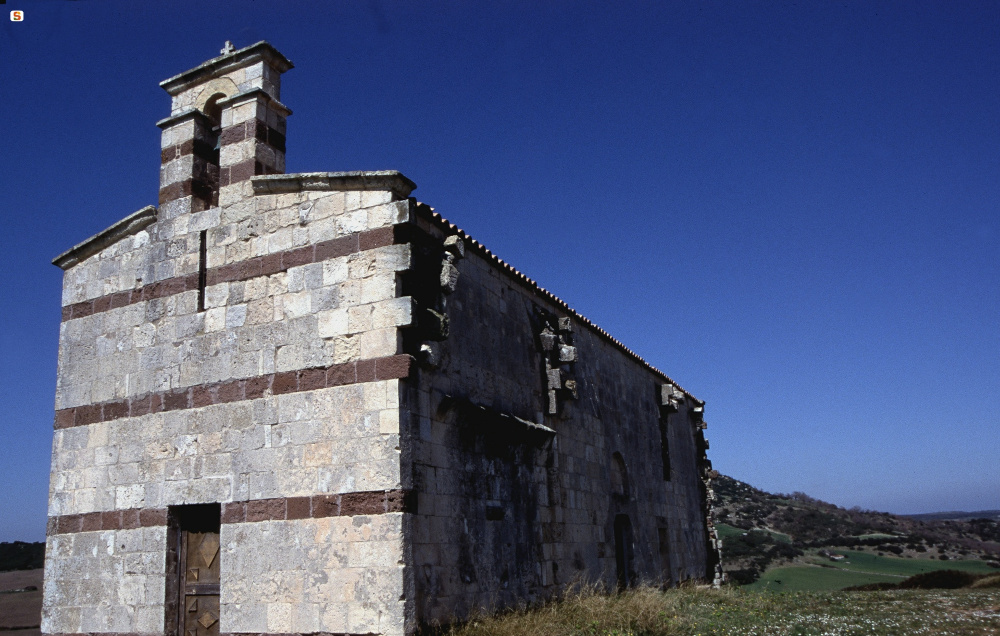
pixel 790 208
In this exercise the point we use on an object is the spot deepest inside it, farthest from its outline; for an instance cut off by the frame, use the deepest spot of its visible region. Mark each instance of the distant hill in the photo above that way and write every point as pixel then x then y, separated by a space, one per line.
pixel 993 515
pixel 21 556
pixel 760 530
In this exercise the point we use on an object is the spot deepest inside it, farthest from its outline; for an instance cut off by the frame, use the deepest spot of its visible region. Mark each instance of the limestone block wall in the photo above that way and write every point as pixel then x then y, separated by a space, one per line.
pixel 333 440
pixel 105 582
pixel 133 325
pixel 247 355
pixel 508 511
pixel 341 575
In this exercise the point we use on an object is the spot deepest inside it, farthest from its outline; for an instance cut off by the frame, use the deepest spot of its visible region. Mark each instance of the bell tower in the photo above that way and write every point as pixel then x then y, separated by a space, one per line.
pixel 226 124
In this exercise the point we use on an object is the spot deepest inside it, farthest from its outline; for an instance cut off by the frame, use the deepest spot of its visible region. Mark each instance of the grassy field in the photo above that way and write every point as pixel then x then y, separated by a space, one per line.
pixel 808 578
pixel 868 562
pixel 703 612
pixel 727 531
pixel 860 568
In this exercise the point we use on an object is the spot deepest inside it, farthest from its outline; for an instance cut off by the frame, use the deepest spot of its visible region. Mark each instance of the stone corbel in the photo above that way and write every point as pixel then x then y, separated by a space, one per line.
pixel 454 249
pixel 556 342
pixel 697 415
pixel 671 397
pixel 435 325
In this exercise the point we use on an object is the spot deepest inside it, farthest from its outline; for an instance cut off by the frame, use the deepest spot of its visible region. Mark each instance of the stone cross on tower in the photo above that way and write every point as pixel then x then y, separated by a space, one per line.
pixel 225 115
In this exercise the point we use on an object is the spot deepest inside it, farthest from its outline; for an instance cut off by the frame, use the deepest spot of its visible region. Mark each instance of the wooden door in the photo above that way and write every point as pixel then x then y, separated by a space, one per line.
pixel 199 576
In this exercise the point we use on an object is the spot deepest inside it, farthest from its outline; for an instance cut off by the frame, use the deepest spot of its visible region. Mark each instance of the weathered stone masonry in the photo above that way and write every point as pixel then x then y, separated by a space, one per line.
pixel 301 404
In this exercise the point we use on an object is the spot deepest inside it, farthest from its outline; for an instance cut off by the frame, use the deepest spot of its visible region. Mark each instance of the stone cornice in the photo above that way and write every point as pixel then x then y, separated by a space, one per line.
pixel 128 226
pixel 256 93
pixel 261 51
pixel 391 180
pixel 184 115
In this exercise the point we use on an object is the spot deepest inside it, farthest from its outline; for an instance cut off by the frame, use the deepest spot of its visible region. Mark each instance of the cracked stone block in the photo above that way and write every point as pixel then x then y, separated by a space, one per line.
pixel 554 378
pixel 567 353
pixel 455 245
pixel 449 277
pixel 548 341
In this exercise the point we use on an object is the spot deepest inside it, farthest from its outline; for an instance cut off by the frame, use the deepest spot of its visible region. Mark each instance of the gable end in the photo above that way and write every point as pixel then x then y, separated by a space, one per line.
pixel 128 226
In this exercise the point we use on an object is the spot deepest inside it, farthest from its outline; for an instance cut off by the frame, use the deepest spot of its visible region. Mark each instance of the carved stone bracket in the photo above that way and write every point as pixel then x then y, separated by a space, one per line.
pixel 671 397
pixel 434 319
pixel 555 340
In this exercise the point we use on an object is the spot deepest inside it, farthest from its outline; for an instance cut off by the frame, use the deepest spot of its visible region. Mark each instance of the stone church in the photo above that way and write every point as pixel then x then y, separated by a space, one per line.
pixel 307 403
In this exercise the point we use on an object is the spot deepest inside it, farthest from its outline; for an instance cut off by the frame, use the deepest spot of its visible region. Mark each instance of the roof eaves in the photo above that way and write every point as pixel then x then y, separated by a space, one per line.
pixel 527 282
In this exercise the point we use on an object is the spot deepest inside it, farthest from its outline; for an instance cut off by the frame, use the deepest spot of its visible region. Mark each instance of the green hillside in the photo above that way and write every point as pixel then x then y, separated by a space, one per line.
pixel 770 537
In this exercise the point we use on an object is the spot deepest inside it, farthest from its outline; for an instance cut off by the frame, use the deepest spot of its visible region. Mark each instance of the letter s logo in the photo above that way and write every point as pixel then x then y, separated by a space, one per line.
pixel 16 16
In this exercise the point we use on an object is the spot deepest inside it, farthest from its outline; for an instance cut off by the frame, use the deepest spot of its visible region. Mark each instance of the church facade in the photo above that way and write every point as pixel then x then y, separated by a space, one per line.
pixel 307 403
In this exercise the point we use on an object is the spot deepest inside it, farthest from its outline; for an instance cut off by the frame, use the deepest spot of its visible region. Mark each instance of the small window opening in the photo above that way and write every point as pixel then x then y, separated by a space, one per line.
pixel 665 447
pixel 619 476
pixel 213 111
pixel 202 268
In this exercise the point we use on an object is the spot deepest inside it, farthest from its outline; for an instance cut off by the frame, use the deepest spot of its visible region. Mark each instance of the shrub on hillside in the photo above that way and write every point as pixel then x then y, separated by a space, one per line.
pixel 939 580
pixel 747 544
pixel 784 550
pixel 744 576
pixel 987 529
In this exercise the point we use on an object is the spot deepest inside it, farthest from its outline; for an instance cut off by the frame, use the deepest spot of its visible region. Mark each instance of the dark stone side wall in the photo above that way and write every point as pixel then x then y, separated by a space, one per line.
pixel 507 511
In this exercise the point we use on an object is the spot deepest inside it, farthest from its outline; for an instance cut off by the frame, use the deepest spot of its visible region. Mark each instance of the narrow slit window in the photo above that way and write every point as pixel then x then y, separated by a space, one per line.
pixel 665 448
pixel 202 269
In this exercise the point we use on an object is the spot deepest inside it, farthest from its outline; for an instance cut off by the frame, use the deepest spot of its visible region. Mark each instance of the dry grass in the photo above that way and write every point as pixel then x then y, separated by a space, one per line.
pixel 698 611
pixel 992 581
